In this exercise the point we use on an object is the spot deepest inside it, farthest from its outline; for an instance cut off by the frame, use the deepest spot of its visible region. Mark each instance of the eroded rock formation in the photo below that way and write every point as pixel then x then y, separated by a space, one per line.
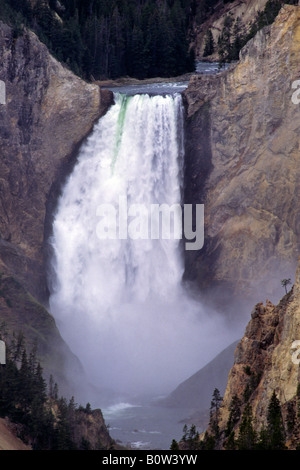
pixel 246 11
pixel 242 162
pixel 48 112
pixel 266 360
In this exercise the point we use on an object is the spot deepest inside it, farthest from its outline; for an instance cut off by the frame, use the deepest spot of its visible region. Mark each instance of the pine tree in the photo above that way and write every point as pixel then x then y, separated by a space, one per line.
pixel 174 445
pixel 275 426
pixel 25 383
pixel 185 432
pixel 291 416
pixel 55 391
pixel 234 414
pixel 137 54
pixel 117 55
pixel 9 384
pixel 209 47
pixel 215 413
pixel 181 45
pixel 17 346
pixel 39 387
pixel 51 385
pixel 88 408
pixel 230 443
pixel 263 439
pixel 238 39
pixel 224 41
pixel 63 429
pixel 193 438
pixel 247 436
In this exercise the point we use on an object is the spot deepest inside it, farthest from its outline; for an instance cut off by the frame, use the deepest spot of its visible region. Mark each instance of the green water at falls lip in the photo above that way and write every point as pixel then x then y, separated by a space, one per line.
pixel 120 126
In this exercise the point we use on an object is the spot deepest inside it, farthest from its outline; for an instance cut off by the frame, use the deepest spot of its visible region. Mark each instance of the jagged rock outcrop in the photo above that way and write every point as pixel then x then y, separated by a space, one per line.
pixel 48 112
pixel 242 162
pixel 92 428
pixel 88 430
pixel 245 10
pixel 266 360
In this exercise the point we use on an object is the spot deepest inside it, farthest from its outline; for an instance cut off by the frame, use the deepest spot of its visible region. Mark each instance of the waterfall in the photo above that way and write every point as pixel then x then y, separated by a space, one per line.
pixel 119 302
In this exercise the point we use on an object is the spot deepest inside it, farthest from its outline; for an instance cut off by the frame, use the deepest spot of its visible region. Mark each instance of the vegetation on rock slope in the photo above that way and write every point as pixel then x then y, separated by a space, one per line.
pixel 102 39
pixel 43 419
pixel 220 30
pixel 260 409
pixel 21 312
pixel 234 35
pixel 109 39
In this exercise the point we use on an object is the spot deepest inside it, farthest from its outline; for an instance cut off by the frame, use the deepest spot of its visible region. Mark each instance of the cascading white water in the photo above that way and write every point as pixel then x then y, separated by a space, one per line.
pixel 119 303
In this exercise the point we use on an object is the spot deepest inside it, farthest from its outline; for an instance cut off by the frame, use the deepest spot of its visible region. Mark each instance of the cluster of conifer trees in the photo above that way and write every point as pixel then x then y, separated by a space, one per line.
pixel 235 35
pixel 279 428
pixel 139 38
pixel 112 38
pixel 45 421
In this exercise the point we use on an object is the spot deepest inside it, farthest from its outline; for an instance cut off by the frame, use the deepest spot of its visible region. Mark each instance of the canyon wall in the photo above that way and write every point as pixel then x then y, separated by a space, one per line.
pixel 48 112
pixel 246 11
pixel 242 162
pixel 266 360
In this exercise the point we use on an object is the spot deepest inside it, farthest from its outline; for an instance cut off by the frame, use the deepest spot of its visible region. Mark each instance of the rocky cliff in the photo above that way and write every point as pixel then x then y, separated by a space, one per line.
pixel 48 113
pixel 242 162
pixel 246 11
pixel 266 360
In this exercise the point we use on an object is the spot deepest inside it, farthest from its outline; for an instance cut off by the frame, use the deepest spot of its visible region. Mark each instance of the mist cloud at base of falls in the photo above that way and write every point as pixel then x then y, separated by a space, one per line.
pixel 120 304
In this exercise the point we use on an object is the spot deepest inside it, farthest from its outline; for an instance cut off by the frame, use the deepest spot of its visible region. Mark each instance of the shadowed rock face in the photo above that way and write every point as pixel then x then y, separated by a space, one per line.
pixel 48 113
pixel 242 162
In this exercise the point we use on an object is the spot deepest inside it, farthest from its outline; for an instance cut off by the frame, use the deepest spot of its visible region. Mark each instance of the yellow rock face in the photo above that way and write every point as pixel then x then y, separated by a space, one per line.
pixel 251 187
pixel 49 112
pixel 269 354
pixel 246 11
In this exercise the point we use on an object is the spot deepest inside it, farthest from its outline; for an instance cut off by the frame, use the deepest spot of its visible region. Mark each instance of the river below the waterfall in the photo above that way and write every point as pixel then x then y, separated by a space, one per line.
pixel 145 426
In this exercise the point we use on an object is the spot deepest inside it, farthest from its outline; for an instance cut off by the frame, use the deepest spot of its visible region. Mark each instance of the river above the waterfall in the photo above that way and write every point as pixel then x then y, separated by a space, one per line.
pixel 162 86
pixel 152 88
